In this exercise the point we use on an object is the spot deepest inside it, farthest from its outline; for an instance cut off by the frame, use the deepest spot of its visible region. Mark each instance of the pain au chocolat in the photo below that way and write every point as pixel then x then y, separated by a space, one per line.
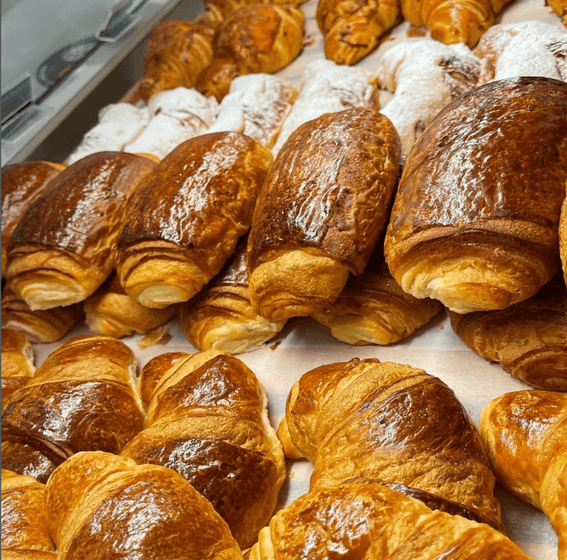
pixel 475 219
pixel 63 248
pixel 324 203
pixel 185 223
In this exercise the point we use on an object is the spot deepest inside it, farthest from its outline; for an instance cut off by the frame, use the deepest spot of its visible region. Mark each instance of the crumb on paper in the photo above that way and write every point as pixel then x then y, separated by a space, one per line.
pixel 415 31
pixel 158 336
pixel 291 474
pixel 275 344
pixel 310 40
pixel 441 327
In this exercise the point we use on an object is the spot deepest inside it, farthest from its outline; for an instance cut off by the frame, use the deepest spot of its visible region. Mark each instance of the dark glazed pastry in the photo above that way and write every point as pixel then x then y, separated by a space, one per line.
pixel 17 362
pixel 476 214
pixel 82 398
pixel 529 338
pixel 207 420
pixel 325 201
pixel 563 236
pixel 185 223
pixel 63 248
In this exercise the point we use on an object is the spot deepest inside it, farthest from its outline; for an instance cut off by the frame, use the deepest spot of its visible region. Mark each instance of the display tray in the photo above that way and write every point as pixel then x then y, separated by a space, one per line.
pixel 304 344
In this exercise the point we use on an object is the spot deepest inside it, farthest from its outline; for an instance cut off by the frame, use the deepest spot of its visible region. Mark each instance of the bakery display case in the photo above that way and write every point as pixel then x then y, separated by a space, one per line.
pixel 175 334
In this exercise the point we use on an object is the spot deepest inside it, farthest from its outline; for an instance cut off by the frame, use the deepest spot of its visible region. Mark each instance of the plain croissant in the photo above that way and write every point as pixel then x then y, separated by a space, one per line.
pixel 17 362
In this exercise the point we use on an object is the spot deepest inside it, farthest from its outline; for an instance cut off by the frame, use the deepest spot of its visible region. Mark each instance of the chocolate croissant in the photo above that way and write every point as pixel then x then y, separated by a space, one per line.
pixel 253 39
pixel 529 338
pixel 99 505
pixel 353 30
pixel 324 203
pixel 184 224
pixel 24 529
pixel 465 227
pixel 208 421
pixel 63 248
pixel 525 434
pixel 18 362
pixel 453 21
pixel 82 398
pixel 393 423
pixel 366 520
pixel 22 184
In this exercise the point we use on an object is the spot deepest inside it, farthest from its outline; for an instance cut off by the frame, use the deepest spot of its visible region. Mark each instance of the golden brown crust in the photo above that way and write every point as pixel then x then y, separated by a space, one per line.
pixel 529 339
pixel 394 423
pixel 82 397
pixel 99 505
pixel 323 205
pixel 17 362
pixel 353 30
pixel 464 228
pixel 184 224
pixel 22 184
pixel 253 39
pixel 63 248
pixel 207 420
pixel 563 236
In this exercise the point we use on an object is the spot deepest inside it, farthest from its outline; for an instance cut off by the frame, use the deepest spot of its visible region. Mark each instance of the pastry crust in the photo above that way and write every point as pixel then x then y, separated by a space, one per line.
pixel 464 228
pixel 323 205
pixel 63 248
pixel 184 224
pixel 563 236
pixel 18 364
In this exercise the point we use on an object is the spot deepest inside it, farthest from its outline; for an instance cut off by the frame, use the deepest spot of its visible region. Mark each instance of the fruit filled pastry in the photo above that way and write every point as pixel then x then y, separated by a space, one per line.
pixel 257 106
pixel 424 76
pixel 322 208
pixel 24 529
pixel 528 48
pixel 82 398
pixel 63 248
pixel 352 31
pixel 328 88
pixel 208 421
pixel 255 39
pixel 99 505
pixel 366 520
pixel 18 363
pixel 118 125
pixel 453 21
pixel 45 326
pixel 529 338
pixel 392 423
pixel 184 224
pixel 176 116
pixel 22 184
pixel 221 316
pixel 465 227
pixel 176 52
pixel 112 312
pixel 525 433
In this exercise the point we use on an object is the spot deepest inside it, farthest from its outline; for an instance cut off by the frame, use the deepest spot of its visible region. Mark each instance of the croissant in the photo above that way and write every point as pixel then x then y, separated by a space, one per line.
pixel 18 362
pixel 364 520
pixel 221 316
pixel 99 505
pixel 82 398
pixel 45 326
pixel 563 236
pixel 324 203
pixel 559 7
pixel 393 423
pixel 525 433
pixel 110 311
pixel 176 52
pixel 464 228
pixel 253 39
pixel 529 339
pixel 22 184
pixel 24 530
pixel 453 21
pixel 63 248
pixel 352 30
pixel 208 421
pixel 184 224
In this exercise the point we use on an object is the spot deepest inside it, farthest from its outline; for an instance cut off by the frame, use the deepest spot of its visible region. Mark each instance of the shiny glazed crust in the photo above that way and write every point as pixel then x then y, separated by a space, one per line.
pixel 17 362
pixel 207 420
pixel 185 223
pixel 63 248
pixel 324 203
pixel 100 505
pixel 563 236
pixel 464 227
